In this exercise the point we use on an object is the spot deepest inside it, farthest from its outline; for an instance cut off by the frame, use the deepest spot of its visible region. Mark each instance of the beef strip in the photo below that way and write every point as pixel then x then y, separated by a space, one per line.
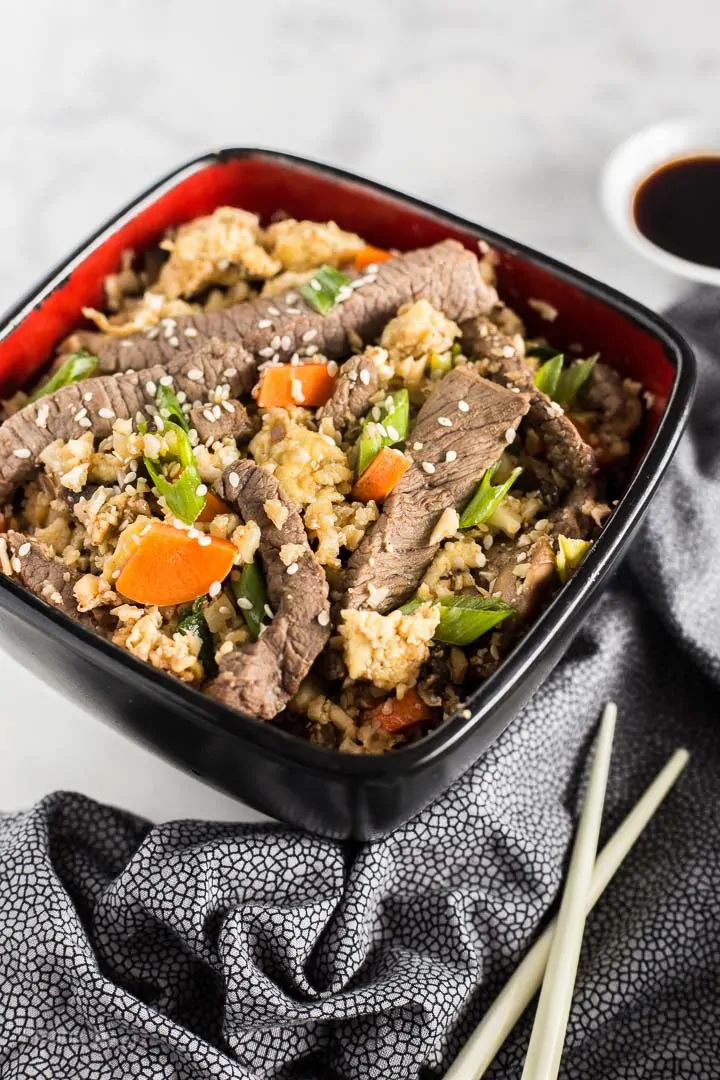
pixel 232 420
pixel 259 679
pixel 66 413
pixel 50 580
pixel 501 357
pixel 606 394
pixel 357 383
pixel 525 594
pixel 396 552
pixel 447 275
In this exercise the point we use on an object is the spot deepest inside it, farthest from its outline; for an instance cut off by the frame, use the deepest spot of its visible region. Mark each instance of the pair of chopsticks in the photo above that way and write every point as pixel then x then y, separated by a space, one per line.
pixel 556 952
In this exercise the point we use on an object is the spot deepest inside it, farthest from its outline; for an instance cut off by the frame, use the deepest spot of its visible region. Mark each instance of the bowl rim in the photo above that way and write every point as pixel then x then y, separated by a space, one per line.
pixel 602 557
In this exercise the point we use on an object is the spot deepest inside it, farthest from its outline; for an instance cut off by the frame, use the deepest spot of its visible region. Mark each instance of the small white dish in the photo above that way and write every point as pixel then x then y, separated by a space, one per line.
pixel 633 161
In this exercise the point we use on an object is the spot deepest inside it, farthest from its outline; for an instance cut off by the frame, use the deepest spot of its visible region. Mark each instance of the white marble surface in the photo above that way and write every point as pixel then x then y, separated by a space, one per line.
pixel 501 111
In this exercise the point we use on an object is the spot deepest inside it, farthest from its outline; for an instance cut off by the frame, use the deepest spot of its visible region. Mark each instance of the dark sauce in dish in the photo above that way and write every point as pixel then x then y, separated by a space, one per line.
pixel 677 207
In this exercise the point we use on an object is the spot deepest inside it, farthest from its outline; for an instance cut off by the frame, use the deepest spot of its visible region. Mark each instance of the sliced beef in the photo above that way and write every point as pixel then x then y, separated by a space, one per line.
pixel 214 422
pixel 528 593
pixel 98 402
pixel 502 358
pixel 357 383
pixel 48 579
pixel 605 393
pixel 447 275
pixel 449 459
pixel 580 515
pixel 260 679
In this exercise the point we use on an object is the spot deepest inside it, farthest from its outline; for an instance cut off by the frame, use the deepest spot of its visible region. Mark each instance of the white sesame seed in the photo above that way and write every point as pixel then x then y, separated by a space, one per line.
pixel 233 479
pixel 428 466
pixel 106 414
pixel 16 565
pixel 417 446
pixel 150 388
pixel 309 335
pixel 152 333
pixel 264 324
pixel 88 396
pixel 392 432
pixel 42 415
pixel 195 375
pixel 24 550
pixel 444 421
pixel 79 414
pixel 166 380
pixel 217 412
pixel 509 435
pixel 224 609
pixel 267 351
pixel 323 618
pixel 273 311
pixel 466 714
pixel 227 406
pixel 207 413
pixel 275 342
pixel 215 589
pixel 344 294
pixel 268 611
pixel 243 603
pixel 230 372
pixel 451 455
pixel 315 284
pixel 332 368
pixel 365 376
pixel 205 541
pixel 201 489
pixel 190 331
pixel 85 422
pixel 292 568
pixel 508 351
pixel 173 342
pixel 193 534
pixel 286 342
pixel 294 311
pixel 371 268
pixel 126 344
pixel 115 575
pixel 463 406
pixel 291 297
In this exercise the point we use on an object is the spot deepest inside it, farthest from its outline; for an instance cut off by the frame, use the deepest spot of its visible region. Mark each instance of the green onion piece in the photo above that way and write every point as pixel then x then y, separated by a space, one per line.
pixel 323 289
pixel 180 495
pixel 77 367
pixel 569 556
pixel 413 605
pixel 440 365
pixel 487 498
pixel 463 619
pixel 169 407
pixel 250 588
pixel 548 375
pixel 455 349
pixel 572 380
pixel 390 429
pixel 192 621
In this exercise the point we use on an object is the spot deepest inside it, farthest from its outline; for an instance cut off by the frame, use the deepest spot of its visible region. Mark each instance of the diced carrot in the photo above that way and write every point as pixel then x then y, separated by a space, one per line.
pixel 381 475
pixel 170 567
pixel 397 714
pixel 295 384
pixel 369 255
pixel 213 507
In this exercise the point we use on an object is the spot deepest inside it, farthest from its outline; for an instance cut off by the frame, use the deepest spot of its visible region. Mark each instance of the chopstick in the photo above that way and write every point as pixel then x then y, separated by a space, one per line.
pixel 548 1033
pixel 483 1045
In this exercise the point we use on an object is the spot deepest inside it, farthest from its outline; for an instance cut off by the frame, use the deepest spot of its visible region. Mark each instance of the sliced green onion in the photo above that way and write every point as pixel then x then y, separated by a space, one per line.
pixel 455 349
pixel 192 621
pixel 169 407
pixel 463 619
pixel 569 556
pixel 487 498
pixel 440 365
pixel 391 428
pixel 322 291
pixel 573 379
pixel 77 367
pixel 180 495
pixel 250 588
pixel 548 375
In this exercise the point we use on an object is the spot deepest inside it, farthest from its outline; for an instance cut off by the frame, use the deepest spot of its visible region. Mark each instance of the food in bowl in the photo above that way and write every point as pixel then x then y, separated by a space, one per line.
pixel 327 484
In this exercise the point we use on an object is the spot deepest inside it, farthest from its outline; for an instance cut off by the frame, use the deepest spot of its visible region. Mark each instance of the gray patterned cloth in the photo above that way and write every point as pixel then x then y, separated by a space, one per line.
pixel 195 950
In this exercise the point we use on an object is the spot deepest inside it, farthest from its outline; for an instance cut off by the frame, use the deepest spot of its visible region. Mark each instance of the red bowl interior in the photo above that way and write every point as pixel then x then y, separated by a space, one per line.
pixel 264 185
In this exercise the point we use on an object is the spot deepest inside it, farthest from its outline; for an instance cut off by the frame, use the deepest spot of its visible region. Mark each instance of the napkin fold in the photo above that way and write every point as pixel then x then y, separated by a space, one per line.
pixel 194 950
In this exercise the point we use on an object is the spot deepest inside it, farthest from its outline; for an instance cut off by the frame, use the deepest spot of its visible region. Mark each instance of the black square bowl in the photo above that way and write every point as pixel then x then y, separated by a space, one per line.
pixel 318 789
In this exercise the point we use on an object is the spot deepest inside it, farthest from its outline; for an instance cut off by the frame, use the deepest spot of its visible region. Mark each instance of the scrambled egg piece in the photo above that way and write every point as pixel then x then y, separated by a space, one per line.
pixel 307 464
pixel 388 650
pixel 304 245
pixel 417 330
pixel 70 461
pixel 337 525
pixel 212 461
pixel 451 569
pixel 92 592
pixel 140 632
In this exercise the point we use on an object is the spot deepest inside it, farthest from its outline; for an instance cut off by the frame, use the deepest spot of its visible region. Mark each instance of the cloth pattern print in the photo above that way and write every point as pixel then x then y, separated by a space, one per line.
pixel 194 950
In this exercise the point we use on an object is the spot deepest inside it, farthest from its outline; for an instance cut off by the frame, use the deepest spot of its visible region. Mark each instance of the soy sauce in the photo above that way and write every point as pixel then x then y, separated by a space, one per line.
pixel 678 208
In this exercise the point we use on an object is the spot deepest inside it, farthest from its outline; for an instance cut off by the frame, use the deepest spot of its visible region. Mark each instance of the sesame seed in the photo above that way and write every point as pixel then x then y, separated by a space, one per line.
pixel 509 434
pixel 190 331
pixel 466 714
pixel 264 324
pixel 371 268
pixel 315 284
pixel 273 311
pixel 323 618
pixel 16 565
pixel 85 422
pixel 311 350
pixel 291 297
pixel 294 311
pixel 463 406
pixel 309 335
pixel 286 342
pixel 444 421
pixel 508 351
pixel 243 603
pixel 204 541
pixel 201 489
pixel 428 466
pixel 268 611
pixel 207 413
pixel 79 414
pixel 42 415
pixel 344 294
pixel 195 375
pixel 451 455
pixel 88 396
pixel 230 372
pixel 217 412
pixel 292 568
pixel 228 407
pixel 181 396
pixel 152 333
pixel 332 368
pixel 173 342
pixel 267 351
pixel 193 534
pixel 417 446
pixel 23 550
pixel 106 414
pixel 275 342
pixel 167 380
pixel 150 388
pixel 365 376
pixel 115 575
pixel 392 432
pixel 233 479
pixel 215 589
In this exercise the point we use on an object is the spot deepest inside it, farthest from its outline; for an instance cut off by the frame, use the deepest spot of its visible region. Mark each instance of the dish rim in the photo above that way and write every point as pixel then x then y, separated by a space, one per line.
pixel 489 695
